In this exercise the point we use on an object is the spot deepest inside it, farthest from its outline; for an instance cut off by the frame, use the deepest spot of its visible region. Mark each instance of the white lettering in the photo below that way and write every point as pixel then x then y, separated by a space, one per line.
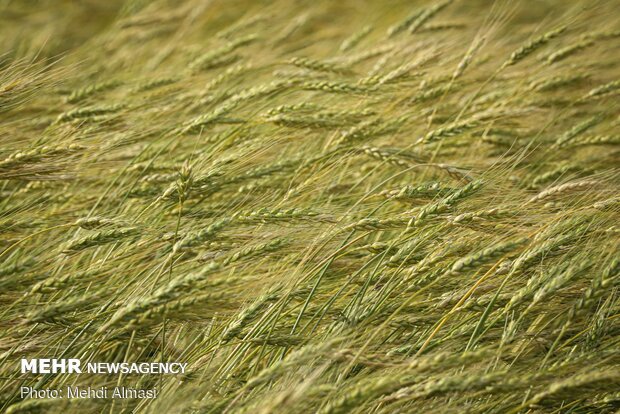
pixel 29 366
pixel 74 366
pixel 44 366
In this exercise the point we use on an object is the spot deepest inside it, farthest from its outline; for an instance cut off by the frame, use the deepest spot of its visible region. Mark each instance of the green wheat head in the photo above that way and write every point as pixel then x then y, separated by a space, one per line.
pixel 320 206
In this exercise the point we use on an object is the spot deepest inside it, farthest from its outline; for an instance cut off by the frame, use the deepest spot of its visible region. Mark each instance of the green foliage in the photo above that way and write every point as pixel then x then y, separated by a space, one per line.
pixel 365 207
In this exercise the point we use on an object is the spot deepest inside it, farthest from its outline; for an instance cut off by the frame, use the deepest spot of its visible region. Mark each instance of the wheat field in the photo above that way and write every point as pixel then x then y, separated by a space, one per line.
pixel 321 207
